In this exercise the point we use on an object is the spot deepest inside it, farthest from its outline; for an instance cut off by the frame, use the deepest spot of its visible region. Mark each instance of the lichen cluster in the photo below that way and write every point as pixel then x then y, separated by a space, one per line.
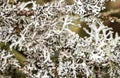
pixel 41 34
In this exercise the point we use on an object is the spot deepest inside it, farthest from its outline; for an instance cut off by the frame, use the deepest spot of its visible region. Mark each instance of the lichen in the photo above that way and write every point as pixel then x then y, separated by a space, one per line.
pixel 51 50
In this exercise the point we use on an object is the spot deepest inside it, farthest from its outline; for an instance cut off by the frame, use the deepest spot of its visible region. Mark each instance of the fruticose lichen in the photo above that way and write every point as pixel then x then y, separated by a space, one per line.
pixel 41 33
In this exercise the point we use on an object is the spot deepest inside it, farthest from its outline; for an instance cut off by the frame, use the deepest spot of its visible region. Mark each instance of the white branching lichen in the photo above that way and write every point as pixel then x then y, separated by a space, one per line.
pixel 7 59
pixel 52 50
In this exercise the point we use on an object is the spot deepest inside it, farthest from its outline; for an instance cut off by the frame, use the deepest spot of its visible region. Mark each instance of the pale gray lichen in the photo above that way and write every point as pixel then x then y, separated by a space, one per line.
pixel 7 60
pixel 51 48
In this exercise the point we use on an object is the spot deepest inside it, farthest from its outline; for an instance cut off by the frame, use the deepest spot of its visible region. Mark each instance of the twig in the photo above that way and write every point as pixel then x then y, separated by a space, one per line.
pixel 107 15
